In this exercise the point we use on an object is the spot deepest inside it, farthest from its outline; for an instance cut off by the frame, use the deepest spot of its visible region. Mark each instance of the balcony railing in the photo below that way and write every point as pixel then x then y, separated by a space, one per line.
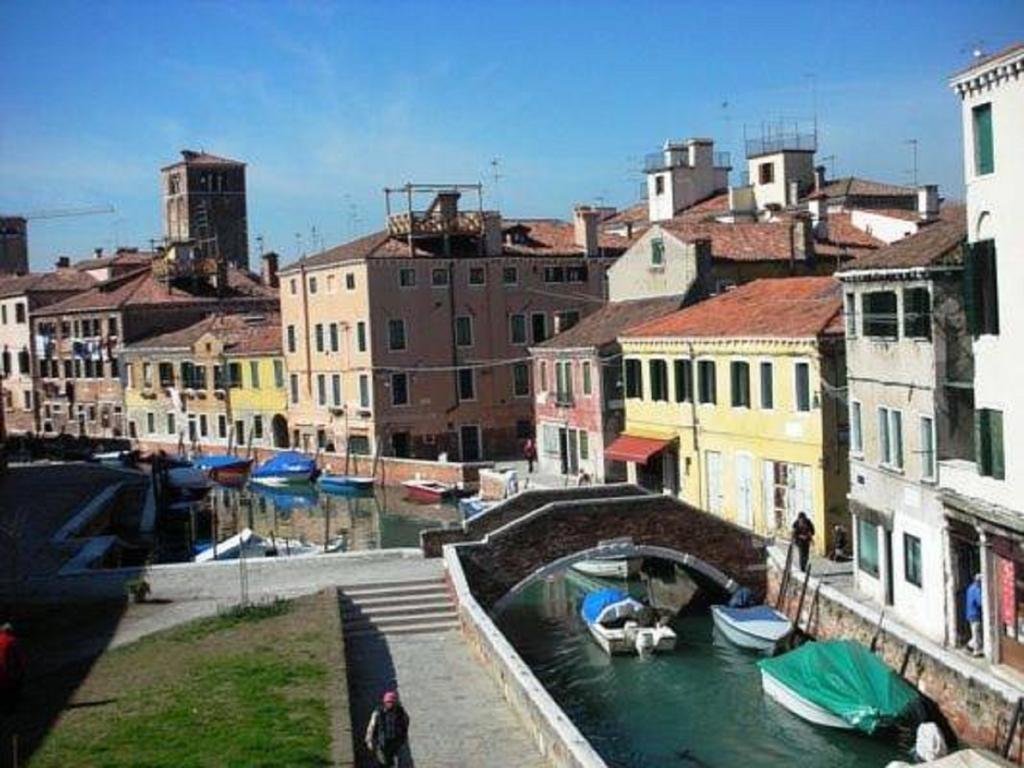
pixel 428 223
pixel 655 161
pixel 722 160
pixel 787 142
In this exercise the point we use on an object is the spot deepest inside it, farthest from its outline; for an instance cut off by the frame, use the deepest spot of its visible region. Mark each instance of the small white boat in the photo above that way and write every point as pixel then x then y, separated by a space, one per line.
pixel 609 567
pixel 800 706
pixel 758 627
pixel 345 482
pixel 620 624
pixel 244 541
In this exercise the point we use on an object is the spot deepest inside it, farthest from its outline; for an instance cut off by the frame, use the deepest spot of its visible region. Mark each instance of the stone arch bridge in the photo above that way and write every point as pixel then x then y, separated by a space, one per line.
pixel 538 532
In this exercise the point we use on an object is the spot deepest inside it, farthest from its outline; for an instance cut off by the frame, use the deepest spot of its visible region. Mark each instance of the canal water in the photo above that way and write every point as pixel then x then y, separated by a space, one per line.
pixel 305 515
pixel 699 707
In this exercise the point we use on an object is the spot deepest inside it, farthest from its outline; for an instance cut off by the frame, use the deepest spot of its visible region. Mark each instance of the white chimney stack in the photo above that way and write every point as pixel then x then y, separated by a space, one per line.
pixel 818 208
pixel 928 202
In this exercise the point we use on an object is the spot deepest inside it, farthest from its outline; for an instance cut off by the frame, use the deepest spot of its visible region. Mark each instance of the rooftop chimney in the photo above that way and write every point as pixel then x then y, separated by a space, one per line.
pixel 819 178
pixel 793 192
pixel 928 202
pixel 268 269
pixel 189 154
pixel 816 206
pixel 63 262
pixel 585 221
pixel 97 252
pixel 802 242
pixel 446 205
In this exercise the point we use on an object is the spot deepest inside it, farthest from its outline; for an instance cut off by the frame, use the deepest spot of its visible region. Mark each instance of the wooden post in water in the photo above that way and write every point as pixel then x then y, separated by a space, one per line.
pixel 878 631
pixel 784 579
pixel 803 594
pixel 906 659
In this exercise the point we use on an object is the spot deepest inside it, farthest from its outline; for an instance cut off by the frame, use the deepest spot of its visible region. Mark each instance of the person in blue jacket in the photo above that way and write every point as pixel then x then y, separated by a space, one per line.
pixel 972 612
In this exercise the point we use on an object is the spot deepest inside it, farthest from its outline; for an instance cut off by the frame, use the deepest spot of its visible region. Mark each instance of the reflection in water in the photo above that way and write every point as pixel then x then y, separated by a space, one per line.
pixel 701 705
pixel 304 514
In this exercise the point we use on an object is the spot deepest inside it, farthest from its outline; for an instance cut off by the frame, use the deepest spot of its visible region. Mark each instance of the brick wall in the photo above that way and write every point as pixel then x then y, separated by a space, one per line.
pixel 978 710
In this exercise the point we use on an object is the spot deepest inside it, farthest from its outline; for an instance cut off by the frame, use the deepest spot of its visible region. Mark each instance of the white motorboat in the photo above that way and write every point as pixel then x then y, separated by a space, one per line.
pixel 800 706
pixel 244 542
pixel 758 627
pixel 609 567
pixel 620 624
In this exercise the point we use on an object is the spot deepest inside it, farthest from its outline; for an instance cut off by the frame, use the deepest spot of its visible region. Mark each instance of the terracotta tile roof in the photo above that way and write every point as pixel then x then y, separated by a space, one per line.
pixel 790 307
pixel 60 280
pixel 140 288
pixel 852 185
pixel 190 157
pixel 635 214
pixel 123 258
pixel 604 326
pixel 242 334
pixel 717 203
pixel 741 241
pixel 844 239
pixel 936 244
pixel 542 237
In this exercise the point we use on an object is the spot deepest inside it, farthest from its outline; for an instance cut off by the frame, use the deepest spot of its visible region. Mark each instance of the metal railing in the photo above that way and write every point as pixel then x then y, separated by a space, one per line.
pixel 722 160
pixel 786 142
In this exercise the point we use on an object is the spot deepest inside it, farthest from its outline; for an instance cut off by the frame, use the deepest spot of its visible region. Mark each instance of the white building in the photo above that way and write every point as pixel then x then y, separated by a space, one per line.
pixel 684 173
pixel 984 498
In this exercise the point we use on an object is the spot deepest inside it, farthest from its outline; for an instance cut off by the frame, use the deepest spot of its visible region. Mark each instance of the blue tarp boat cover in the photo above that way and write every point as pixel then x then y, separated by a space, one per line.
pixel 289 498
pixel 754 613
pixel 286 463
pixel 218 462
pixel 605 604
pixel 848 680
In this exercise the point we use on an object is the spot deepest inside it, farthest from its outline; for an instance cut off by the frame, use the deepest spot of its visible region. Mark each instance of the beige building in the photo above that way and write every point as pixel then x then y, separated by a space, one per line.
pixel 415 339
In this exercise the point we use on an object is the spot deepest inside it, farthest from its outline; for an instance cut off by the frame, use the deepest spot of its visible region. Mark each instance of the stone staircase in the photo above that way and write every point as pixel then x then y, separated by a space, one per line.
pixel 397 608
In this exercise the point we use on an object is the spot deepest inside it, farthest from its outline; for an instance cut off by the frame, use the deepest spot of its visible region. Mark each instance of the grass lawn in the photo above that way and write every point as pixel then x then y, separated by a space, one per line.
pixel 246 689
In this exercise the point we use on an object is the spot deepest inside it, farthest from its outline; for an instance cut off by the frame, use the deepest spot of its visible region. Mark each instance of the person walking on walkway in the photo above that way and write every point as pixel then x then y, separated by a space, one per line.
pixel 12 670
pixel 803 534
pixel 530 454
pixel 972 612
pixel 387 731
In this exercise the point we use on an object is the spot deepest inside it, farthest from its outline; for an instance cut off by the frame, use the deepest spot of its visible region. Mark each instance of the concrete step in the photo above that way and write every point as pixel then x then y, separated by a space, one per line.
pixel 425 627
pixel 397 590
pixel 396 600
pixel 383 611
pixel 386 623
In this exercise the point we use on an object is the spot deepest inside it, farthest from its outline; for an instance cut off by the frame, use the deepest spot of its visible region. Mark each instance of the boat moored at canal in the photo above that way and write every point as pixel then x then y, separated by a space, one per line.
pixel 285 468
pixel 428 491
pixel 621 624
pixel 758 627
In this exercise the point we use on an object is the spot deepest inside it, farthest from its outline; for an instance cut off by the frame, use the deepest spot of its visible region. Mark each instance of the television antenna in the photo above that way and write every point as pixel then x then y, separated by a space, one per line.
pixel 913 146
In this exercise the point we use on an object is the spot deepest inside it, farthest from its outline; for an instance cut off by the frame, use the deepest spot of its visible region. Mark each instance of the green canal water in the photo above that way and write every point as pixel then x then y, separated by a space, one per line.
pixel 699 707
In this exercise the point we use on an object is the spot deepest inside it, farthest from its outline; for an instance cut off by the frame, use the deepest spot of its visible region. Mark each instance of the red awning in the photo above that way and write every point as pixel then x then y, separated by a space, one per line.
pixel 637 449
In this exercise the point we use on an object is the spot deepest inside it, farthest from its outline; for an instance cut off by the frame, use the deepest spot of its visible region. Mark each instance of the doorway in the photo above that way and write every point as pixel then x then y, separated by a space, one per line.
pixel 400 444
pixel 470 448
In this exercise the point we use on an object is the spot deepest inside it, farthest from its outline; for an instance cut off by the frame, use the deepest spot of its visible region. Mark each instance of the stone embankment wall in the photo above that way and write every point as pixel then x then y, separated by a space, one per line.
pixel 342 739
pixel 556 737
pixel 977 705
pixel 514 508
pixel 389 470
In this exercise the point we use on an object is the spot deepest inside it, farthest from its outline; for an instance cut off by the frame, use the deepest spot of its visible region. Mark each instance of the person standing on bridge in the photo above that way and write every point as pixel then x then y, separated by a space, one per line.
pixel 530 454
pixel 803 534
pixel 387 731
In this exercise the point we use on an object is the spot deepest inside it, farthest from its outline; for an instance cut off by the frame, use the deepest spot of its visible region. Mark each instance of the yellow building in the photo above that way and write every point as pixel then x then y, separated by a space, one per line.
pixel 216 384
pixel 733 405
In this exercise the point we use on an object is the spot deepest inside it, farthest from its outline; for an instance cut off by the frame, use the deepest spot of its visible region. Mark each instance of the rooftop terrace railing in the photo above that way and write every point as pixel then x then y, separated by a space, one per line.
pixel 788 142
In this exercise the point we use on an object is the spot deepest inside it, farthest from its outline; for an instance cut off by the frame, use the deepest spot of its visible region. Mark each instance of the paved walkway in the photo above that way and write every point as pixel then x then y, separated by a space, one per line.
pixel 457 714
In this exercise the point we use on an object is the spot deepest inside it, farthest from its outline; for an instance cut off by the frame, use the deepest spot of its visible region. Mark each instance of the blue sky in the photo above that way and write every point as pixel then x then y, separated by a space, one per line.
pixel 330 102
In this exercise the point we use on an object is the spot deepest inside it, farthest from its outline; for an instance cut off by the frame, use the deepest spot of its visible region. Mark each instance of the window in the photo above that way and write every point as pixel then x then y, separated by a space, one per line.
pixel 926 434
pixel 204 425
pixel 330 284
pixel 112 326
pixel 350 281
pixel 766 173
pixel 293 285
pixel 3 315
pixel 396 335
pixel 912 559
pixel 150 423
pixel 517 329
pixel 321 389
pixel 257 427
pixel 584 445
pixel 319 335
pixel 850 314
pixel 521 380
pixel 739 377
pixel 509 275
pixel 222 426
pixel 543 376
pixel 988 443
pixel 563 382
pixel 706 384
pixel 867 547
pixel 576 274
pixel 19 312
pixel 291 338
pixel 312 284
pixel 684 380
pixel 439 277
pixel 657 252
pixel 399 389
pixel 890 437
pixel 333 328
pixel 554 275
pixel 165 373
pixel 879 310
pixel 239 431
pixel 279 374
pixel 294 381
pixel 981 296
pixel 467 389
pixel 336 389
pixel 235 375
pixel 802 381
pixel 539 323
pixel 407 277
pixel 254 374
pixel 984 156
pixel 170 424
pixel 917 313
pixel 361 335
pixel 767 386
pixel 464 331
pixel 856 433
pixel 364 390
pixel 566 319
pixel 634 379
pixel 477 276
pixel 659 185
pixel 587 383
pixel 659 380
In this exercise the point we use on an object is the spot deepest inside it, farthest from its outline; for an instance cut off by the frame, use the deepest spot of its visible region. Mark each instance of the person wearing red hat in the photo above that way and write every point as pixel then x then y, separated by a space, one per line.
pixel 388 730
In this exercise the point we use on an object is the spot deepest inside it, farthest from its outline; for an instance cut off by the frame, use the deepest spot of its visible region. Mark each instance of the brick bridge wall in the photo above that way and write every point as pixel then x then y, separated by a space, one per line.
pixel 509 555
pixel 521 504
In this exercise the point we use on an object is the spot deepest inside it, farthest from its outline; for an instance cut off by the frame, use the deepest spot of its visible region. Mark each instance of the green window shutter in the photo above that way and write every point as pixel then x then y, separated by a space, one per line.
pixel 989 287
pixel 984 159
pixel 996 444
pixel 968 277
pixel 982 444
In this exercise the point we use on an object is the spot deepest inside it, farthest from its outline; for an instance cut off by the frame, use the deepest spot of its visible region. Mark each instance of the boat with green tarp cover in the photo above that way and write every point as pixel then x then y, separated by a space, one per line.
pixel 841 684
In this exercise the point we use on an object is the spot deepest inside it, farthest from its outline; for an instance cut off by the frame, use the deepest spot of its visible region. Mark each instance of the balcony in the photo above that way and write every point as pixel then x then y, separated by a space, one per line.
pixel 433 224
pixel 655 161
pixel 783 142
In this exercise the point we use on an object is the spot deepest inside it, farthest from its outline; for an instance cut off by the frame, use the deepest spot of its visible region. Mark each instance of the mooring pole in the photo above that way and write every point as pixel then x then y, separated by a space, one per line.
pixel 878 631
pixel 803 594
pixel 784 580
pixel 1013 728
